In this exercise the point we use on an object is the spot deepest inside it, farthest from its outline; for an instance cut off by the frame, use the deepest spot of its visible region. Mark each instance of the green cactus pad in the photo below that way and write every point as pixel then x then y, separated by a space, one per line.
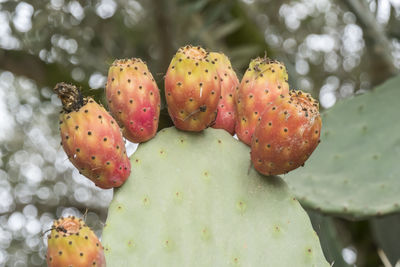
pixel 192 201
pixel 355 171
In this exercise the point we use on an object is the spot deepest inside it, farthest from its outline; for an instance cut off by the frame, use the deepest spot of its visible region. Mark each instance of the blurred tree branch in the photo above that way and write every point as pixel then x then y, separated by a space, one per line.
pixel 376 40
pixel 22 63
pixel 164 32
pixel 372 28
pixel 30 66
pixel 394 34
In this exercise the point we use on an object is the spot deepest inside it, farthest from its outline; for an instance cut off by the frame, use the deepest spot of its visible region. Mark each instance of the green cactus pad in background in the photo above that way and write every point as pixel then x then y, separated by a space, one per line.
pixel 191 201
pixel 355 171
pixel 386 233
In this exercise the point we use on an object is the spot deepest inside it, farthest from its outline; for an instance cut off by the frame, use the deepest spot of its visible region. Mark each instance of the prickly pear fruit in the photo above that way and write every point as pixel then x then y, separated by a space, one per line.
pixel 287 134
pixel 263 82
pixel 72 243
pixel 133 98
pixel 226 116
pixel 192 89
pixel 92 139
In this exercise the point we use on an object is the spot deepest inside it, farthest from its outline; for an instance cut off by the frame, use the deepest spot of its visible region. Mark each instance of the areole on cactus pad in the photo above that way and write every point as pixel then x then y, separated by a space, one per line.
pixel 192 202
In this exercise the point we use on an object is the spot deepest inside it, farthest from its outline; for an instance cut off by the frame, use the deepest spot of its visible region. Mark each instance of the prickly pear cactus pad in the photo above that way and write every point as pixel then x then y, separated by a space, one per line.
pixel 355 171
pixel 191 202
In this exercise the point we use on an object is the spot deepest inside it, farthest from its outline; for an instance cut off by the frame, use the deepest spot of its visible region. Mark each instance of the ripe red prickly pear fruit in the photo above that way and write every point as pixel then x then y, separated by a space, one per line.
pixel 263 82
pixel 72 243
pixel 226 116
pixel 133 98
pixel 286 135
pixel 92 139
pixel 192 89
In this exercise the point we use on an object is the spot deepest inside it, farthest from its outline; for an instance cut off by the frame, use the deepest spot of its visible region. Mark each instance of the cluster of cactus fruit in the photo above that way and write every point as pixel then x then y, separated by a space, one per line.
pixel 201 90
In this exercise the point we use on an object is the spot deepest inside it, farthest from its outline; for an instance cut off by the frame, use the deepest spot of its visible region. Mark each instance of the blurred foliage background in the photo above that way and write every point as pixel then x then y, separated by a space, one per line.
pixel 332 49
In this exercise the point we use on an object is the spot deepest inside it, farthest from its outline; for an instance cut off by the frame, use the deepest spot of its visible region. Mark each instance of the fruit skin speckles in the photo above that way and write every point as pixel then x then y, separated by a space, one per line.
pixel 192 89
pixel 72 243
pixel 287 133
pixel 263 82
pixel 226 117
pixel 92 139
pixel 133 98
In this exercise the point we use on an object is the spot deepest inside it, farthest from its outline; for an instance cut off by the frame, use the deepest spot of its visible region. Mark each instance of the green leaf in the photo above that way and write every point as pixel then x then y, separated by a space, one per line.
pixel 227 28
